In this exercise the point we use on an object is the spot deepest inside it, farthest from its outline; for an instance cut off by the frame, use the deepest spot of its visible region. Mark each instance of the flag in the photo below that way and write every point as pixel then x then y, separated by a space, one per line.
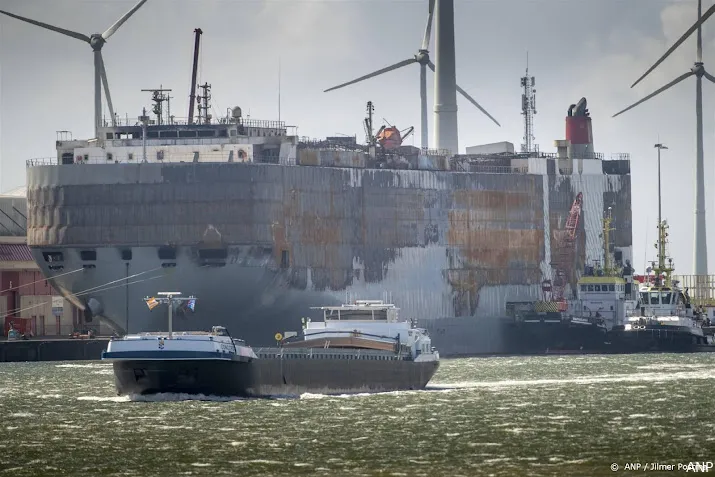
pixel 191 304
pixel 151 303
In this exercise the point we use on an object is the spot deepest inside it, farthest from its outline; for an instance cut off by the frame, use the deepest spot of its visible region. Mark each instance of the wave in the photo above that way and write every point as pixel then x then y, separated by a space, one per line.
pixel 608 378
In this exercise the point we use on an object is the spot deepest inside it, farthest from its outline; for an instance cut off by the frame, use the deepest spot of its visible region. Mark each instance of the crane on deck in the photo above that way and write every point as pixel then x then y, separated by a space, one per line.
pixel 564 254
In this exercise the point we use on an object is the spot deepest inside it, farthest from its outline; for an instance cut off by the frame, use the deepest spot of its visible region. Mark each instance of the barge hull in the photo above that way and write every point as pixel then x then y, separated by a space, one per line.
pixel 266 377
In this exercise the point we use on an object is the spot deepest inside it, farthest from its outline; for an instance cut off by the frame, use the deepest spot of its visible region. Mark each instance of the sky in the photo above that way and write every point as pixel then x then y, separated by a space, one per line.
pixel 577 48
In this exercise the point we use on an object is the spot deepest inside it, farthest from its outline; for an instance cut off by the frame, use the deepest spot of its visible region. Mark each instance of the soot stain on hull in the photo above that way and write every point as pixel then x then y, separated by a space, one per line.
pixel 443 244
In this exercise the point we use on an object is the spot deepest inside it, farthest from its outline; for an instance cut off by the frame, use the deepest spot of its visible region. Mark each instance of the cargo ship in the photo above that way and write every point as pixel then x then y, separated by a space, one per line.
pixel 356 348
pixel 255 219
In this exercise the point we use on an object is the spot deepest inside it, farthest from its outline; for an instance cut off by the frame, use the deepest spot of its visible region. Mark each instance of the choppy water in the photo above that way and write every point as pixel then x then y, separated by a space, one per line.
pixel 535 416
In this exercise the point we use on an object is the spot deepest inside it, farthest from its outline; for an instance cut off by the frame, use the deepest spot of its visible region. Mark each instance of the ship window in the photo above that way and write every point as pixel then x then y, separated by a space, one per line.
pixel 110 157
pixel 665 298
pixel 196 156
pixel 223 133
pixel 207 133
pixel 130 156
pixel 611 288
pixel 213 253
pixel 285 259
pixel 160 155
pixel 187 133
pixel 110 135
pixel 583 288
pixel 590 288
pixel 152 134
pixel 52 256
pixel 67 158
pixel 654 298
pixel 167 253
pixel 233 132
pixel 86 157
pixel 598 288
pixel 88 255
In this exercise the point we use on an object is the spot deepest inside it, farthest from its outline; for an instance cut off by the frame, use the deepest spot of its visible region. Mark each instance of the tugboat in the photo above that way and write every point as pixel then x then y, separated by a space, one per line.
pixel 605 296
pixel 359 347
pixel 665 320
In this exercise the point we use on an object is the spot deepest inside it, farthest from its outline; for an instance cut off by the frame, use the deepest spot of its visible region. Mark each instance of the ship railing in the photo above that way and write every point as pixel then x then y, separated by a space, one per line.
pixel 353 333
pixel 169 158
pixel 42 161
pixel 701 288
pixel 344 353
pixel 174 121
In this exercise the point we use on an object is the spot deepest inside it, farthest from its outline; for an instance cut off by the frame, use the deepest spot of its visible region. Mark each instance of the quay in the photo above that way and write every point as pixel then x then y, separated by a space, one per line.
pixel 59 349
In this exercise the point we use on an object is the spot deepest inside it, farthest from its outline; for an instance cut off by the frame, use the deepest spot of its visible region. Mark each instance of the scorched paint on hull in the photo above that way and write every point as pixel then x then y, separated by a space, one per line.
pixel 277 239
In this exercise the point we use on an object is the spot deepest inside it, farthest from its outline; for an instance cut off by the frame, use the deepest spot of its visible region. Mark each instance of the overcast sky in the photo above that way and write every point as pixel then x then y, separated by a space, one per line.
pixel 576 48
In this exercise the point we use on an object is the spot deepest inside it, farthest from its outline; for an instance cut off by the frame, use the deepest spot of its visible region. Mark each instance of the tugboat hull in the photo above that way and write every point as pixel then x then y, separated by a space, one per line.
pixel 659 339
pixel 329 373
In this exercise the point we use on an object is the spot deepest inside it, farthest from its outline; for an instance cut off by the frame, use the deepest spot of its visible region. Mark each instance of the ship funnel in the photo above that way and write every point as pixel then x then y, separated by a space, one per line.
pixel 579 133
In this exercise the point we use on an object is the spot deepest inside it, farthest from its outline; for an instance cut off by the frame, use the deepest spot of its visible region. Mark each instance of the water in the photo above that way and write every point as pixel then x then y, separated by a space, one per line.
pixel 536 416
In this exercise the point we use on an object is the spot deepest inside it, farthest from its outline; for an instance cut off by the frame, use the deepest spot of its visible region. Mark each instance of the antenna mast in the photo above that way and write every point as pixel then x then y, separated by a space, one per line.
pixel 169 298
pixel 204 104
pixel 192 95
pixel 158 97
pixel 528 109
pixel 662 268
pixel 279 89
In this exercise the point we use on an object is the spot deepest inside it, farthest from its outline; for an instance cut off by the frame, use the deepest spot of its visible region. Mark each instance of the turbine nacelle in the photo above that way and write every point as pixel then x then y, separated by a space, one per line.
pixel 97 41
pixel 698 69
pixel 422 57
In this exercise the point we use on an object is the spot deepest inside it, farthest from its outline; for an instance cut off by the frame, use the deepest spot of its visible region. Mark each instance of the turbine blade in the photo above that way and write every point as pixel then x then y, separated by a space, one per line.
pixel 428 28
pixel 110 31
pixel 700 33
pixel 658 91
pixel 469 98
pixel 105 83
pixel 710 77
pixel 376 73
pixel 685 36
pixel 71 33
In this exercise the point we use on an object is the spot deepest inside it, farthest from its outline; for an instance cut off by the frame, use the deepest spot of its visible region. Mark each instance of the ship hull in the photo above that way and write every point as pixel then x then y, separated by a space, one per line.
pixel 266 377
pixel 657 339
pixel 258 244
pixel 557 337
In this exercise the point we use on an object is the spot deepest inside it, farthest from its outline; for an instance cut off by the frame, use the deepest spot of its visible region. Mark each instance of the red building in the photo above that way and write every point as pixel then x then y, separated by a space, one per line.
pixel 26 299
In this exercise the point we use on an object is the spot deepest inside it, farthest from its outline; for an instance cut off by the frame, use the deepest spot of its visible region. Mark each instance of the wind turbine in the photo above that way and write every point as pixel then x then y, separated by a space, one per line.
pixel 700 251
pixel 96 41
pixel 422 58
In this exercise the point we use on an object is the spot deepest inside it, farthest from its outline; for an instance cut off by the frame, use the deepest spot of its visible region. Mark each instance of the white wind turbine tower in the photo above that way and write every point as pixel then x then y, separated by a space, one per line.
pixel 96 41
pixel 445 45
pixel 700 251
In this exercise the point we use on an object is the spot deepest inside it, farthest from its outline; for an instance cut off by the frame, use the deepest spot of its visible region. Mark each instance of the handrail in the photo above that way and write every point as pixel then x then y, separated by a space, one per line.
pixel 174 121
